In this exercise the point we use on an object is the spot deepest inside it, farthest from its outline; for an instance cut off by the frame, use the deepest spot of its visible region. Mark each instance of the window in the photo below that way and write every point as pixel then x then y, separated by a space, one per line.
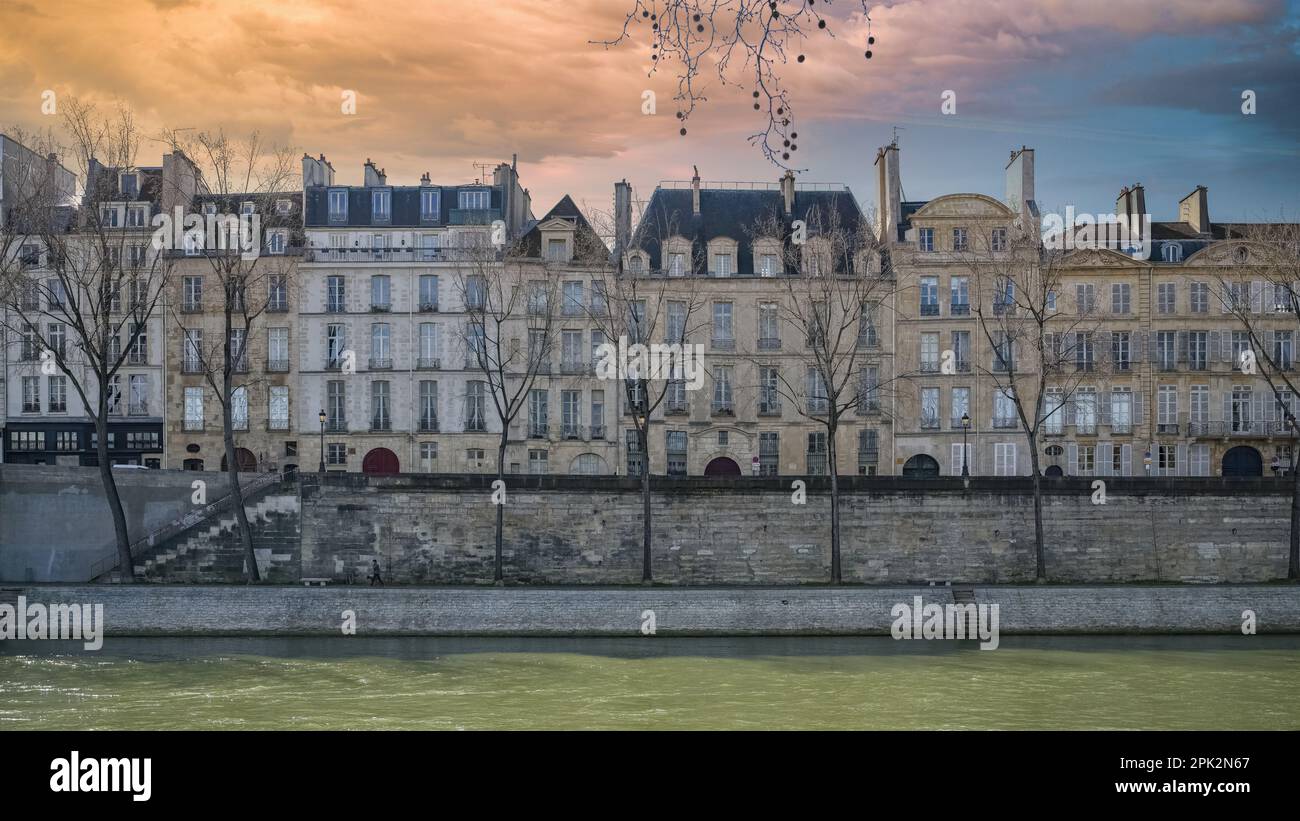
pixel 192 361
pixel 1166 297
pixel 1198 350
pixel 1166 352
pixel 57 387
pixel 193 409
pixel 1199 410
pixel 475 200
pixel 1167 409
pixel 428 451
pixel 380 418
pixel 635 264
pixel 1004 408
pixel 278 407
pixel 1198 458
pixel 816 456
pixel 573 299
pixel 67 440
pixel 1121 411
pixel 138 403
pixel 1084 298
pixel 192 294
pixel 1120 298
pixel 1120 350
pixel 1053 413
pixel 998 242
pixel 428 406
pixel 960 289
pixel 925 239
pixel 676 265
pixel 557 250
pixel 1283 350
pixel 108 216
pixel 1199 294
pixel 277 349
pixel 1167 460
pixel 675 326
pixel 571 414
pixel 428 292
pixel 598 304
pixel 1084 352
pixel 336 405
pixel 537 462
pixel 334 295
pixel 769 333
pixel 1240 345
pixel 929 353
pixel 277 298
pixel 430 204
pixel 597 414
pixel 635 455
pixel 868 390
pixel 1242 401
pixel 475 409
pixel 769 453
pixel 27 440
pixel 31 394
pixel 818 402
pixel 239 408
pixel 675 448
pixel 381 206
pixel 115 394
pixel 338 198
pixel 1004 459
pixel 722 265
pixel 430 345
pixel 381 355
pixel 475 293
pixel 1085 411
pixel 1004 359
pixel 336 453
pixel 136 216
pixel 335 345
pixel 128 184
pixel 959 240
pixel 275 242
pixel 239 349
pixel 723 333
pixel 769 398
pixel 929 296
pixel 960 406
pixel 929 408
pixel 722 398
pixel 768 265
pixel 1171 252
pixel 380 293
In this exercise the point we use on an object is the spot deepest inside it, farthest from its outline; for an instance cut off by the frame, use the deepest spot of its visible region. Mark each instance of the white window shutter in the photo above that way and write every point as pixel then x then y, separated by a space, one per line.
pixel 956 459
pixel 1180 455
pixel 1073 453
pixel 1105 451
pixel 1126 460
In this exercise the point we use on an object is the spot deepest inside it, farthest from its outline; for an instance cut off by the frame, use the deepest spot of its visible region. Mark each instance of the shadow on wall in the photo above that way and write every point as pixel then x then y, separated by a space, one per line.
pixel 55 524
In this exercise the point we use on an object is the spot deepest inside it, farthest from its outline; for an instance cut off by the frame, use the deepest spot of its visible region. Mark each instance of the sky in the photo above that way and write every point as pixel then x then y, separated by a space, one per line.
pixel 1107 92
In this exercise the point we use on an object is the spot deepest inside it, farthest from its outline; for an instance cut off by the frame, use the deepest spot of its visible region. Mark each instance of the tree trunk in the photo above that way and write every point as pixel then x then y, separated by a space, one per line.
pixel 1293 566
pixel 498 575
pixel 835 507
pixel 251 574
pixel 643 438
pixel 1040 557
pixel 120 533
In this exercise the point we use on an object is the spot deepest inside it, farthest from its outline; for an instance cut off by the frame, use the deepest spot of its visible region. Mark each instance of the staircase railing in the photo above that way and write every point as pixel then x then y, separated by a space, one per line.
pixel 110 561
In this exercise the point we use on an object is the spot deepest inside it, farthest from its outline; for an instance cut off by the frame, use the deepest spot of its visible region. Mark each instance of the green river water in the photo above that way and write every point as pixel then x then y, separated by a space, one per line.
pixel 1247 682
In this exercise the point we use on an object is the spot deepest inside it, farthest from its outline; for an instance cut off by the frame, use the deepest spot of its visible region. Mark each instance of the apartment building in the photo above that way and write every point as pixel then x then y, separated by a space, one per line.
pixel 1145 349
pixel 727 254
pixel 264 290
pixel 381 317
pixel 47 423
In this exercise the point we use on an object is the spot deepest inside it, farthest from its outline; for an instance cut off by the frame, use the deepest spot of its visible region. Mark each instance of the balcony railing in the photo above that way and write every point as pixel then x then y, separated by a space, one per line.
pixel 277 306
pixel 192 366
pixel 574 367
pixel 380 423
pixel 1005 422
pixel 538 430
pixel 929 422
pixel 930 366
pixel 277 366
pixel 426 363
pixel 137 357
pixel 597 432
pixel 573 431
pixel 676 406
pixel 959 309
pixel 868 405
pixel 1167 428
pixel 381 307
pixel 930 309
pixel 428 307
pixel 723 344
pixel 335 307
pixel 722 408
pixel 136 409
pixel 769 343
pixel 769 408
pixel 380 363
pixel 337 425
pixel 428 423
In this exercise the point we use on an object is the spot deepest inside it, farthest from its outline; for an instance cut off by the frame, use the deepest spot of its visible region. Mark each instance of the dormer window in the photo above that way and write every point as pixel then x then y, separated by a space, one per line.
pixel 768 265
pixel 136 216
pixel 722 265
pixel 635 264
pixel 475 200
pixel 381 205
pixel 283 206
pixel 108 216
pixel 210 208
pixel 1171 252
pixel 430 204
pixel 128 184
pixel 338 205
pixel 676 265
pixel 275 242
pixel 557 250
pixel 247 207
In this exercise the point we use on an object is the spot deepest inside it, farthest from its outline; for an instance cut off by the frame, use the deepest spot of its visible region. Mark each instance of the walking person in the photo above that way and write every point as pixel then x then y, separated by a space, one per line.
pixel 375 578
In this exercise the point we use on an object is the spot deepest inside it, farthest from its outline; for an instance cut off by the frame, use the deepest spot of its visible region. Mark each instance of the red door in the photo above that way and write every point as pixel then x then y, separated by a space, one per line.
pixel 380 460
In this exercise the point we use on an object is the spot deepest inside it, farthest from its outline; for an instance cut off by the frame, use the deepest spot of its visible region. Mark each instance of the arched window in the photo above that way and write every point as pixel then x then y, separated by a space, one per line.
pixel 1171 252
pixel 588 464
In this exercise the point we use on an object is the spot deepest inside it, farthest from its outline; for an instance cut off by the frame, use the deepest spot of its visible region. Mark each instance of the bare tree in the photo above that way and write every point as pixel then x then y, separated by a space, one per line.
pixel 640 307
pixel 86 282
pixel 832 299
pixel 508 338
pixel 748 43
pixel 1269 314
pixel 1042 346
pixel 237 250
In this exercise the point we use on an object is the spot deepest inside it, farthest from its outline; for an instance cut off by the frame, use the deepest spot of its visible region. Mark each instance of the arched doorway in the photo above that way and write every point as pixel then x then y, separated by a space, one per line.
pixel 193 464
pixel 1243 460
pixel 247 461
pixel 380 460
pixel 1054 471
pixel 722 466
pixel 588 464
pixel 920 466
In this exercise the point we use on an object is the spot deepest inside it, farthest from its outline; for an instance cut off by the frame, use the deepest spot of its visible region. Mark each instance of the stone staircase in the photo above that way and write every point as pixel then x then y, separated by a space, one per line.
pixel 213 551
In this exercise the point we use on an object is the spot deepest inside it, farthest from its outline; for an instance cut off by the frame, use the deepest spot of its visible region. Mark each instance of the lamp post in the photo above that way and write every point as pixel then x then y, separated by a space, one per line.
pixel 322 440
pixel 965 453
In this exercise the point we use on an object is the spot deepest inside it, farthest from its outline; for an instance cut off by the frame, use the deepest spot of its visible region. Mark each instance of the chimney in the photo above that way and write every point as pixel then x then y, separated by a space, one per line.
pixel 316 172
pixel 695 192
pixel 787 191
pixel 622 216
pixel 373 175
pixel 1131 206
pixel 1194 209
pixel 1020 187
pixel 425 180
pixel 889 193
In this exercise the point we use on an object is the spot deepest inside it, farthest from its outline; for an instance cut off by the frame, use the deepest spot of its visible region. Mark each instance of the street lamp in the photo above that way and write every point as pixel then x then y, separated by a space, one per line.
pixel 322 440
pixel 965 453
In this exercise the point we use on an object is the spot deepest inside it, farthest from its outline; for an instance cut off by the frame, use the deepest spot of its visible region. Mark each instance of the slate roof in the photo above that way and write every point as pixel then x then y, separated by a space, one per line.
pixel 405 205
pixel 735 214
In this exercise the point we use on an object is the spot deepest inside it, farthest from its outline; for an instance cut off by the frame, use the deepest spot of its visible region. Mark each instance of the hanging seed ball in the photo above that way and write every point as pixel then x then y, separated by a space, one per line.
pixel 679 115
pixel 821 24
pixel 794 148
pixel 683 132
pixel 785 156
pixel 794 135
pixel 786 121
pixel 645 14
pixel 868 54
pixel 871 40
pixel 787 142
pixel 801 58
pixel 697 18
pixel 755 95
pixel 699 28
pixel 757 106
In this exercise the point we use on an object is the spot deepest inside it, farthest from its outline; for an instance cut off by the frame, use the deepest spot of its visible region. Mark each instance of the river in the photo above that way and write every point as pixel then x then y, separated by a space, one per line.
pixel 1246 682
